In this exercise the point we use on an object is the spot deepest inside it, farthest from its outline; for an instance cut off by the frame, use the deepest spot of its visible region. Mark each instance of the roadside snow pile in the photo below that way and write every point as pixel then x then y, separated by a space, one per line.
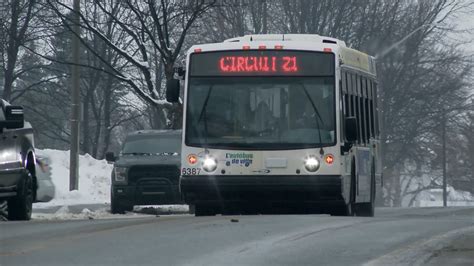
pixel 64 213
pixel 162 209
pixel 434 197
pixel 458 195
pixel 73 213
pixel 94 180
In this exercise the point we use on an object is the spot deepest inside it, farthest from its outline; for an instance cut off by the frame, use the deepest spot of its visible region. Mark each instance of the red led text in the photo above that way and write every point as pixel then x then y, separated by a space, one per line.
pixel 266 64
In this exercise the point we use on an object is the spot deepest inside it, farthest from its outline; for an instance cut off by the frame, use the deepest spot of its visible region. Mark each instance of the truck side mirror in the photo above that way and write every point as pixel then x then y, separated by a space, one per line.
pixel 14 117
pixel 172 90
pixel 110 157
pixel 351 129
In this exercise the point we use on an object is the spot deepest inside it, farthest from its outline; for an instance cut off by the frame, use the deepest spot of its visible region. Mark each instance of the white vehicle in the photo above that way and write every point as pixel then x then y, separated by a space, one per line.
pixel 274 120
pixel 46 189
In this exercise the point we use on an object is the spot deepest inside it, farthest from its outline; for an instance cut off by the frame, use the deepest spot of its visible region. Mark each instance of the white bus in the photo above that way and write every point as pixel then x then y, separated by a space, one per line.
pixel 279 120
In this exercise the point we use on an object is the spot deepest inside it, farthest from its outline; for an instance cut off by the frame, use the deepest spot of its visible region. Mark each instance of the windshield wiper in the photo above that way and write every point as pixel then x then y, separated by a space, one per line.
pixel 203 114
pixel 321 151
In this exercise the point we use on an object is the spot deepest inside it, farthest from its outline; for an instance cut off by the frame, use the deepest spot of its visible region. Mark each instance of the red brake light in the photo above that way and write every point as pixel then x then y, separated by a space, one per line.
pixel 262 47
pixel 197 50
pixel 278 47
pixel 328 50
pixel 246 47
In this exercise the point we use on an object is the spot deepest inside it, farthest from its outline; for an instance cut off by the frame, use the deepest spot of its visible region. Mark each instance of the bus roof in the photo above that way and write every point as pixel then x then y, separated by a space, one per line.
pixel 310 42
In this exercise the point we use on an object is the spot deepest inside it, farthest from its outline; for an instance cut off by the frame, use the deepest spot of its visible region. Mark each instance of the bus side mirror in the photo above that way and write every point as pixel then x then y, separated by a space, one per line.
pixel 351 129
pixel 14 117
pixel 110 157
pixel 172 90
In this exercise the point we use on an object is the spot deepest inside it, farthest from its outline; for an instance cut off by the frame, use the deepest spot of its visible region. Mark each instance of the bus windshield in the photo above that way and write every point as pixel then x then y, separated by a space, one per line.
pixel 260 112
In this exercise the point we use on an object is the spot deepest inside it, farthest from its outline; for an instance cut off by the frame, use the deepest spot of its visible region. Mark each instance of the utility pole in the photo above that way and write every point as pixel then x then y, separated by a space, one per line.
pixel 75 102
pixel 443 137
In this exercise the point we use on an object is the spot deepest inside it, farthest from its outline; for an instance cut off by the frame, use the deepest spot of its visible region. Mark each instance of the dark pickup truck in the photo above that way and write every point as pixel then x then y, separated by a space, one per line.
pixel 17 162
pixel 146 172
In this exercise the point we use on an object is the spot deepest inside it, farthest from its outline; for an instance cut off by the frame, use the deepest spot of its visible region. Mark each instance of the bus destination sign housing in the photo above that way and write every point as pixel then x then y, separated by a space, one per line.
pixel 262 63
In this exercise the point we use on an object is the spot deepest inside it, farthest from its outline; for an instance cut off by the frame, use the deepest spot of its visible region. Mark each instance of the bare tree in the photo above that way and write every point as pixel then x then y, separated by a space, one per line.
pixel 15 33
pixel 149 28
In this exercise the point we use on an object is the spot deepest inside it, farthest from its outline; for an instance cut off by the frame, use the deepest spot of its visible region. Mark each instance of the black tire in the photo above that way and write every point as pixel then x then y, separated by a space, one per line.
pixel 116 207
pixel 192 209
pixel 368 209
pixel 341 210
pixel 204 210
pixel 20 207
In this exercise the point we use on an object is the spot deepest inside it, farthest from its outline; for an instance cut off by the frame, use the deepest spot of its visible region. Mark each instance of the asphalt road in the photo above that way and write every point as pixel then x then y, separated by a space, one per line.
pixel 417 236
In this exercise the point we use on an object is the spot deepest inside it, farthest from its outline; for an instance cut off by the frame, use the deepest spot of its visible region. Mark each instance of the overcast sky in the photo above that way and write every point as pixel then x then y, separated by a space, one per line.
pixel 466 22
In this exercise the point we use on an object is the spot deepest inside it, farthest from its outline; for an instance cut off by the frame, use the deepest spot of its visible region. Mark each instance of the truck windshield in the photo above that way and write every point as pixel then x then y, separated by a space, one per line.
pixel 260 112
pixel 139 145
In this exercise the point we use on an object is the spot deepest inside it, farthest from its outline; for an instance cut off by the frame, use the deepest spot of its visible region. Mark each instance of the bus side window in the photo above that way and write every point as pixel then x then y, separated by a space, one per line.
pixel 350 92
pixel 359 109
pixel 344 100
pixel 362 109
pixel 346 96
pixel 366 121
pixel 371 108
pixel 376 110
pixel 353 95
pixel 367 114
pixel 353 98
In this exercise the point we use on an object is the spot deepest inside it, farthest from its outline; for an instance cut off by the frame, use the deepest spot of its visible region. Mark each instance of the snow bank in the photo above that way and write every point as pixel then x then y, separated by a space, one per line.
pixel 64 213
pixel 94 180
pixel 434 197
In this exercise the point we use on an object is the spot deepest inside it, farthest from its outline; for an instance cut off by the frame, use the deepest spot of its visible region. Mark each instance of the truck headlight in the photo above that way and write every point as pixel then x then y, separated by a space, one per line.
pixel 311 164
pixel 209 164
pixel 120 174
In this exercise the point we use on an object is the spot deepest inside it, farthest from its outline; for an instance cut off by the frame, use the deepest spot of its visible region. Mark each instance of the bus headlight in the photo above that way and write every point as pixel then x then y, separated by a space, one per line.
pixel 311 164
pixel 209 164
pixel 120 174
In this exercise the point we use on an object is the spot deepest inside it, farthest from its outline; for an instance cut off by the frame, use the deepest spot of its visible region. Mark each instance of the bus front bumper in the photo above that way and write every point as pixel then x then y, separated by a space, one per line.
pixel 252 189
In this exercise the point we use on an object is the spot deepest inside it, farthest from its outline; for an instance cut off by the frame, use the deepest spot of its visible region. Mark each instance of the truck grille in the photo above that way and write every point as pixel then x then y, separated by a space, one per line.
pixel 170 172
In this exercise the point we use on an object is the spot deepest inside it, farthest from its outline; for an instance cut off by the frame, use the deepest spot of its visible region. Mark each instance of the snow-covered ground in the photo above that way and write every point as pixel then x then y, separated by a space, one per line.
pixel 94 190
pixel 72 212
pixel 64 213
pixel 94 180
pixel 434 198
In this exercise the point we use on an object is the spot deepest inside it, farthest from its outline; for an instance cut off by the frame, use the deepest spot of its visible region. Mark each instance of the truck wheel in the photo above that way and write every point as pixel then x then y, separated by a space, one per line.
pixel 21 206
pixel 117 207
pixel 204 210
pixel 192 209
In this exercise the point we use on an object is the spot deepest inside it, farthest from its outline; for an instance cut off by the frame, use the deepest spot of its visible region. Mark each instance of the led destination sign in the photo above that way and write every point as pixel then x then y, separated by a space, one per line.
pixel 273 64
pixel 262 63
